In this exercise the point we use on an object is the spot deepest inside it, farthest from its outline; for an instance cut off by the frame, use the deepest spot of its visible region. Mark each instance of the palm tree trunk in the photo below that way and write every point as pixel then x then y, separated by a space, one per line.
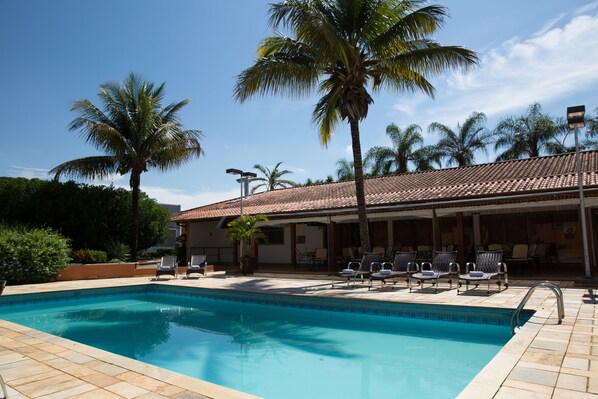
pixel 364 235
pixel 135 183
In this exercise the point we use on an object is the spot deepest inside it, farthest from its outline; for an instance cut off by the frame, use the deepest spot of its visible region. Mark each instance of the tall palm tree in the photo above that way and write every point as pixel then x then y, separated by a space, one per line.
pixel 531 135
pixel 272 179
pixel 344 170
pixel 346 49
pixel 136 132
pixel 458 147
pixel 385 160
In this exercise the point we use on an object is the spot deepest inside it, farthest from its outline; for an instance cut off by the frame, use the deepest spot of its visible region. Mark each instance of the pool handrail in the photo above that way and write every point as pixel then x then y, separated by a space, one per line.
pixel 559 301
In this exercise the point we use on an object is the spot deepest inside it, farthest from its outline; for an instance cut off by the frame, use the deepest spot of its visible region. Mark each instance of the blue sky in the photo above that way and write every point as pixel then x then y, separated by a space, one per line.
pixel 55 52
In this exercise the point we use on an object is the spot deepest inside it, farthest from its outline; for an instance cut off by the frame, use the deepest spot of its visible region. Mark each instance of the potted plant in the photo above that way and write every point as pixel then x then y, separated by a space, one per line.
pixel 243 231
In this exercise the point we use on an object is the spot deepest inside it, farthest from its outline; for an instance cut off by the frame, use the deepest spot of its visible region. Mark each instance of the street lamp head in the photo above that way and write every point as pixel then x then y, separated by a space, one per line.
pixel 575 116
pixel 249 174
pixel 232 171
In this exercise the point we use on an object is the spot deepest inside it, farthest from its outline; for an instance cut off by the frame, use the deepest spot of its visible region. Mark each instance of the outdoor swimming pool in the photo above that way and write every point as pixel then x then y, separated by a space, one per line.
pixel 278 346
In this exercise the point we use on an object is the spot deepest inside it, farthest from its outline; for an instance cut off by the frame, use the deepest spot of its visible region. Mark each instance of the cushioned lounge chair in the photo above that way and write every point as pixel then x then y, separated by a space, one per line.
pixel 168 265
pixel 197 265
pixel 444 265
pixel 403 265
pixel 360 270
pixel 488 266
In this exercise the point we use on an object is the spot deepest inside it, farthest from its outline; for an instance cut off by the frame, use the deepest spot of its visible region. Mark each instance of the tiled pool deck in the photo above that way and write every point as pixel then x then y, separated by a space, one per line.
pixel 543 360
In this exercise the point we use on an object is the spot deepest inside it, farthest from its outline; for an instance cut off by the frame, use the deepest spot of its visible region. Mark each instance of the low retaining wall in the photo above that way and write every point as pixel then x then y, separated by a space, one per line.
pixel 106 270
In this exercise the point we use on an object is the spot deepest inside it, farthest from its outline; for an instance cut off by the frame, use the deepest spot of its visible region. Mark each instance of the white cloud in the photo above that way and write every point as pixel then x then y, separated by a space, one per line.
pixel 28 173
pixel 349 150
pixel 188 200
pixel 552 63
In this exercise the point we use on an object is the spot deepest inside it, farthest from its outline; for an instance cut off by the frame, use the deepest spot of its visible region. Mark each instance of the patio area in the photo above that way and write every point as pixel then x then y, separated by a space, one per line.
pixel 543 359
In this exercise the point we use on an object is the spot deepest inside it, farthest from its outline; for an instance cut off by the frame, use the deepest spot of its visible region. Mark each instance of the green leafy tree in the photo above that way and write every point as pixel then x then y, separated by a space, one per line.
pixel 458 147
pixel 346 49
pixel 529 135
pixel 90 216
pixel 396 159
pixel 272 178
pixel 344 170
pixel 136 131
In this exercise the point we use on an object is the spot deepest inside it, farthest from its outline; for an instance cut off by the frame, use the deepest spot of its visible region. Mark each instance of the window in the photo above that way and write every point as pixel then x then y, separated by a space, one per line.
pixel 274 235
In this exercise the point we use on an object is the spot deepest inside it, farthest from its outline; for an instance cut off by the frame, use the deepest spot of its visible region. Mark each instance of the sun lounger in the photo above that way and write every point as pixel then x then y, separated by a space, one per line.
pixel 168 266
pixel 197 265
pixel 444 265
pixel 488 266
pixel 403 265
pixel 359 270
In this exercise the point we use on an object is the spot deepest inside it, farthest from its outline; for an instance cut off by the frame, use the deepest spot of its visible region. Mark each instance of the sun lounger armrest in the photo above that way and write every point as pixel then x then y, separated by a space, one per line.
pixel 412 267
pixel 387 264
pixel 426 264
pixel 375 266
pixel 455 266
pixel 468 265
pixel 353 265
pixel 503 266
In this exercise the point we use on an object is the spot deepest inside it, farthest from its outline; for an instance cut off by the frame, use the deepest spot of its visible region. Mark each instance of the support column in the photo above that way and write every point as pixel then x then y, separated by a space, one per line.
pixel 460 239
pixel 185 231
pixel 436 241
pixel 477 234
pixel 294 246
pixel 332 247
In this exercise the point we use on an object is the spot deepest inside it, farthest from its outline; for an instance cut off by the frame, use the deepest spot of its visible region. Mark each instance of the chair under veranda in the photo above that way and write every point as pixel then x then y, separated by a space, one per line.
pixel 487 267
pixel 520 259
pixel 167 266
pixel 444 265
pixel 197 265
pixel 359 270
pixel 403 265
pixel 320 259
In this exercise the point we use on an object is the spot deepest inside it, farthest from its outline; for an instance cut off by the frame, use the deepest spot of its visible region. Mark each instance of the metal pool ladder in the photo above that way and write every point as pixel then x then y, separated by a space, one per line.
pixel 559 302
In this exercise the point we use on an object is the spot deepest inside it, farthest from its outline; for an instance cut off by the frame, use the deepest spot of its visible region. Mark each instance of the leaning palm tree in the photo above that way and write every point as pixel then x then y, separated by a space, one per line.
pixel 272 179
pixel 136 132
pixel 396 159
pixel 458 147
pixel 344 170
pixel 529 135
pixel 346 49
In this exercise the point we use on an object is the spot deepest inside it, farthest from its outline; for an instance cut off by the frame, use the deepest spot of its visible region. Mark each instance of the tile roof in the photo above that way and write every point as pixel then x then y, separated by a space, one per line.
pixel 531 175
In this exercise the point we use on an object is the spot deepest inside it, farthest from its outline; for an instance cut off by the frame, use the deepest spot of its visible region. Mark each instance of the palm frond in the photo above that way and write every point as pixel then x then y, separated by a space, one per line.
pixel 94 167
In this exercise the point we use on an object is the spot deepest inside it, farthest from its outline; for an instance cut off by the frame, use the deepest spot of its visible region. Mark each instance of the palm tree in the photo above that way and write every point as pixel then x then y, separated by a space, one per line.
pixel 396 159
pixel 344 170
pixel 272 179
pixel 459 147
pixel 531 135
pixel 345 49
pixel 136 132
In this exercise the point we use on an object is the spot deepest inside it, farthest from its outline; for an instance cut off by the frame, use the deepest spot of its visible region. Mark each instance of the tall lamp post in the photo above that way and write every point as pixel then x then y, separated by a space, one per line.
pixel 244 180
pixel 575 121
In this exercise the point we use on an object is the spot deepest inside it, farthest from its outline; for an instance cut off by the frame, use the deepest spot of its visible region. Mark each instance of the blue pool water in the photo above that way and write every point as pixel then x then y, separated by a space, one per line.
pixel 279 347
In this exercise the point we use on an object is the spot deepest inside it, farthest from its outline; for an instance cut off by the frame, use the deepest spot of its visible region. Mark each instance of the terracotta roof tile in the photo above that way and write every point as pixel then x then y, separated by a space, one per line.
pixel 550 173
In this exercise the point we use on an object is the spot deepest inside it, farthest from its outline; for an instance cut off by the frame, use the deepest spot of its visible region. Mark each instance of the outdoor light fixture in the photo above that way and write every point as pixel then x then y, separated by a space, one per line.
pixel 575 121
pixel 244 180
pixel 575 117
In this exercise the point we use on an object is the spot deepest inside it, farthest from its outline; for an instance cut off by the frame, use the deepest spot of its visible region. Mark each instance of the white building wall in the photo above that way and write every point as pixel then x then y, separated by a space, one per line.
pixel 314 238
pixel 205 234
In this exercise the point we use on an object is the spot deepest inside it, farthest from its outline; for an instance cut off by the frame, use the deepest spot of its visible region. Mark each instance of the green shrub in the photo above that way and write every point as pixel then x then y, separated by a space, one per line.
pixel 118 250
pixel 31 255
pixel 164 252
pixel 90 256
